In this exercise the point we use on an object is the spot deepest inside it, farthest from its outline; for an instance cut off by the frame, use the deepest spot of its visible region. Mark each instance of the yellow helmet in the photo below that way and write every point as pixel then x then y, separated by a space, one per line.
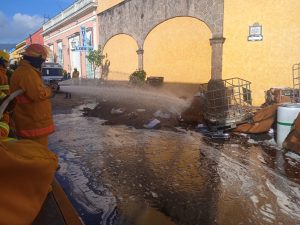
pixel 4 56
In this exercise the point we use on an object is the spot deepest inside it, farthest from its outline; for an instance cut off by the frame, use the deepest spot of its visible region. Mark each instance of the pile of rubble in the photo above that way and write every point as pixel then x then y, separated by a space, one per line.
pixel 261 120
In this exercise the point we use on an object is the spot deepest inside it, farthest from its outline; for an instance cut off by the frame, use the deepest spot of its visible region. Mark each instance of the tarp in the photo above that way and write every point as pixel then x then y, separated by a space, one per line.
pixel 262 121
pixel 292 141
pixel 26 172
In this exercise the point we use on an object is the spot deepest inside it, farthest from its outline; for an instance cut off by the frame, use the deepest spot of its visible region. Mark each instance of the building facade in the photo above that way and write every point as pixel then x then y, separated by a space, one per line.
pixel 15 56
pixel 199 40
pixel 36 38
pixel 71 33
pixel 191 43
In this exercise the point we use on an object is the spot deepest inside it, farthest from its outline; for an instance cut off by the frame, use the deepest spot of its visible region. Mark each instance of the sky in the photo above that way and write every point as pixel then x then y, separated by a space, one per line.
pixel 19 18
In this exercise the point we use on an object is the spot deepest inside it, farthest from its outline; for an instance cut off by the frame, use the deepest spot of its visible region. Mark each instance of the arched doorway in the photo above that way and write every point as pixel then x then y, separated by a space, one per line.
pixel 121 52
pixel 179 50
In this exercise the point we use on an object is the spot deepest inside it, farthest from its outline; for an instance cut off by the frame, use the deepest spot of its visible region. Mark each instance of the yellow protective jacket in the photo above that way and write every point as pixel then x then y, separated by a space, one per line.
pixel 4 90
pixel 4 126
pixel 32 114
pixel 26 172
pixel 4 87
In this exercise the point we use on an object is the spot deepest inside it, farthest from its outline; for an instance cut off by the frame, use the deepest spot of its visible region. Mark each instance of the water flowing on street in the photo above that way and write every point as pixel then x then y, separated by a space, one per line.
pixel 122 175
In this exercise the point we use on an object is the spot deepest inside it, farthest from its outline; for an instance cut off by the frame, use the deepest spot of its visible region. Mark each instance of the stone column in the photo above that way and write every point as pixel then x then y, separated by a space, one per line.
pixel 95 36
pixel 140 53
pixel 216 57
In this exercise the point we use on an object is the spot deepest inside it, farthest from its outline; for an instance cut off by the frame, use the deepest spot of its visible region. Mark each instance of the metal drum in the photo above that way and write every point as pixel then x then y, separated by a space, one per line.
pixel 286 115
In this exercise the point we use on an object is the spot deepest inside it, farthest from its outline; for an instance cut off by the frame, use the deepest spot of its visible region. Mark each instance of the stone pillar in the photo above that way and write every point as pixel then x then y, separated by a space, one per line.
pixel 140 53
pixel 95 36
pixel 216 57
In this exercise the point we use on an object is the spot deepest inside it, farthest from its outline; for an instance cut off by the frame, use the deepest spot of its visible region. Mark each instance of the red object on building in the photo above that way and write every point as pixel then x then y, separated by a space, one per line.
pixel 35 38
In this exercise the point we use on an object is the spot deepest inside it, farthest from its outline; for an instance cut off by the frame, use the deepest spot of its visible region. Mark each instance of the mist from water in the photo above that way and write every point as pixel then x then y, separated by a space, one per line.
pixel 128 94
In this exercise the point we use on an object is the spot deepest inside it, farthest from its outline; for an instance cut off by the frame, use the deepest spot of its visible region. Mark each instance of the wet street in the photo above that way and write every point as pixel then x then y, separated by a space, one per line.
pixel 120 175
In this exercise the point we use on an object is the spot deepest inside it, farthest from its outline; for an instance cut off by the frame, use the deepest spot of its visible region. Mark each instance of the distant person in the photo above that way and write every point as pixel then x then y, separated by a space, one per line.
pixel 75 73
pixel 75 77
pixel 68 95
pixel 65 75
pixel 32 114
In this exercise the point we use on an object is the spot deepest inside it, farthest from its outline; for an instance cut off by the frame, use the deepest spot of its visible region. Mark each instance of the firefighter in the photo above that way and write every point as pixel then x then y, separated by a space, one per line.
pixel 32 114
pixel 4 61
pixel 27 169
pixel 4 91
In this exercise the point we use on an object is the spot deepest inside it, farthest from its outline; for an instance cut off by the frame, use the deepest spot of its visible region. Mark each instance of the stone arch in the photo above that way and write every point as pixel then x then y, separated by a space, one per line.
pixel 123 61
pixel 156 25
pixel 177 47
pixel 114 35
pixel 138 17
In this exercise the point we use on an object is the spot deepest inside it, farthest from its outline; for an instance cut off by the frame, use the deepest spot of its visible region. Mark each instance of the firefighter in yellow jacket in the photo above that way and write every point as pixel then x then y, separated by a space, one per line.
pixel 32 114
pixel 27 169
pixel 4 91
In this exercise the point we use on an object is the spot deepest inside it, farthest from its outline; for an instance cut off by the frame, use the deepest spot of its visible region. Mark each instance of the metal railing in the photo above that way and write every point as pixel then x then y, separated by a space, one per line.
pixel 227 102
pixel 71 10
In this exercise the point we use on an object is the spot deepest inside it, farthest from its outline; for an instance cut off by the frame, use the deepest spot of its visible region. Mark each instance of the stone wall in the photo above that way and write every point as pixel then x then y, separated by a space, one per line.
pixel 138 17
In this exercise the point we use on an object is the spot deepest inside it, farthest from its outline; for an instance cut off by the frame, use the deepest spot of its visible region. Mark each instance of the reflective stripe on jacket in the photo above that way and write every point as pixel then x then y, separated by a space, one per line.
pixel 32 114
pixel 4 81
pixel 4 87
pixel 4 129
pixel 8 139
pixel 2 95
pixel 4 125
pixel 36 132
pixel 4 91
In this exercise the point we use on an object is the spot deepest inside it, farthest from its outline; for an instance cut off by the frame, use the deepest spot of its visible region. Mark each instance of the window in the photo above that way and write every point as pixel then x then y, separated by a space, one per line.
pixel 52 53
pixel 60 58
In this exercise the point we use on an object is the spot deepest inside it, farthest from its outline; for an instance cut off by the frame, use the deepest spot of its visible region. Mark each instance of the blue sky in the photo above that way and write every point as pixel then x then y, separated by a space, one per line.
pixel 19 18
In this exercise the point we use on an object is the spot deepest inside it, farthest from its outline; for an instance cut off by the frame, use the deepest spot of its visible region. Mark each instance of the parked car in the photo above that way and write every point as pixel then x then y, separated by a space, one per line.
pixel 52 73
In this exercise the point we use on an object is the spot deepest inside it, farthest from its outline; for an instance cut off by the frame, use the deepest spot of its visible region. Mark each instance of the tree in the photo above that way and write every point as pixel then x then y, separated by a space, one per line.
pixel 95 57
pixel 105 69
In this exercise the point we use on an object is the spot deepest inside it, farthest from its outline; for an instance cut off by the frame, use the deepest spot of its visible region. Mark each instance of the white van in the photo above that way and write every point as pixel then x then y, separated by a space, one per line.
pixel 52 73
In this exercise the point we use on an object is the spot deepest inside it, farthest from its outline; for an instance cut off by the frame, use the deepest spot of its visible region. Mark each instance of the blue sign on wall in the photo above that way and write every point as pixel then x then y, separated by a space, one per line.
pixel 83 36
pixel 84 45
pixel 82 48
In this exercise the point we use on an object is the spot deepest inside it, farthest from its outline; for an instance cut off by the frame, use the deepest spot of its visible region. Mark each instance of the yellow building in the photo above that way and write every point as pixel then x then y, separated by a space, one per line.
pixel 15 56
pixel 179 48
pixel 265 63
